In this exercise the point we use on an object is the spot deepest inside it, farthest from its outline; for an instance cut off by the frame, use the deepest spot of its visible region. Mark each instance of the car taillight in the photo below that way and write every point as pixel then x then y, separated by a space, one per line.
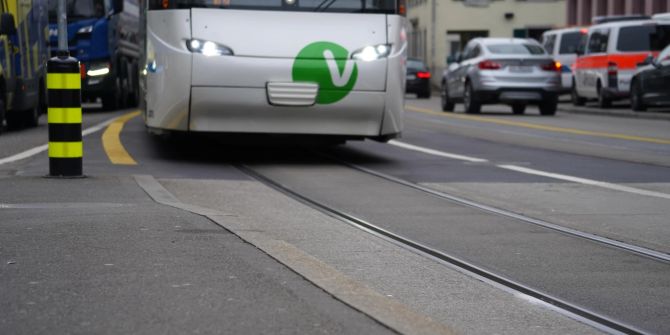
pixel 489 65
pixel 423 75
pixel 552 66
pixel 82 70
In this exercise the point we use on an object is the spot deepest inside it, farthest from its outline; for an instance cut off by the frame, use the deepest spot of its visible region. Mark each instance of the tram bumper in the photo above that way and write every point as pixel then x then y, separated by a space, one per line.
pixel 248 110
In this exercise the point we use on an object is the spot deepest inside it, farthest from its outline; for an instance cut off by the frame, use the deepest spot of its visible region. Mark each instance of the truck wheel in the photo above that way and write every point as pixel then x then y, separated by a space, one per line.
pixel 2 115
pixel 31 117
pixel 111 100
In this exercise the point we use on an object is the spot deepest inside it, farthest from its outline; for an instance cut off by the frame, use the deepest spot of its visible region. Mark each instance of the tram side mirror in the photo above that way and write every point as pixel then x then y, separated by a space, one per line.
pixel 118 6
pixel 7 26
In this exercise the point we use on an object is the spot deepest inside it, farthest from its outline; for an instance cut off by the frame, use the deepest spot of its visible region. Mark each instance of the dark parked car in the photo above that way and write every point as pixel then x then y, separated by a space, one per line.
pixel 650 86
pixel 418 78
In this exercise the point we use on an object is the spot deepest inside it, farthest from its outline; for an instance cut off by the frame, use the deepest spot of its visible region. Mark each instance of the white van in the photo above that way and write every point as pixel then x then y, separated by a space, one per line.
pixel 611 55
pixel 562 45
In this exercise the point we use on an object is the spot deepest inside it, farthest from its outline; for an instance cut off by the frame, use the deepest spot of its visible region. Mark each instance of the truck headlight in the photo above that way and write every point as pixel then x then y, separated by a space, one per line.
pixel 85 30
pixel 208 48
pixel 96 70
pixel 372 52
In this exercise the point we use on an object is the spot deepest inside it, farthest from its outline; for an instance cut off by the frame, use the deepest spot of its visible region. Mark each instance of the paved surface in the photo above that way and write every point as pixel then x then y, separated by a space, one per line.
pixel 99 255
pixel 96 255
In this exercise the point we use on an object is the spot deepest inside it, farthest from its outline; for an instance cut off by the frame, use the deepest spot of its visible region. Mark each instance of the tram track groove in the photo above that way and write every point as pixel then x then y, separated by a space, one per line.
pixel 573 311
pixel 646 252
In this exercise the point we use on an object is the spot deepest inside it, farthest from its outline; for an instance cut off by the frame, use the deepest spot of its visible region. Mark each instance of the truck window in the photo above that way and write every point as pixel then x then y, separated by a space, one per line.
pixel 78 9
pixel 644 38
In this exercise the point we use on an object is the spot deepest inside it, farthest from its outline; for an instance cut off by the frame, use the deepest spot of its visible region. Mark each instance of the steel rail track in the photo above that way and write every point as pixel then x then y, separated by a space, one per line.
pixel 653 254
pixel 579 313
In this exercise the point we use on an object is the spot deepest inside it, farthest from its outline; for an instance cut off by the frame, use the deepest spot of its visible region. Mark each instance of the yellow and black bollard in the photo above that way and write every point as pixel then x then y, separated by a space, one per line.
pixel 64 115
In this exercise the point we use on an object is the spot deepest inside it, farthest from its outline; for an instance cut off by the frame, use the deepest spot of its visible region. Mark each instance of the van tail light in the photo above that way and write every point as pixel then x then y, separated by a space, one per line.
pixel 552 66
pixel 612 70
pixel 489 65
pixel 423 75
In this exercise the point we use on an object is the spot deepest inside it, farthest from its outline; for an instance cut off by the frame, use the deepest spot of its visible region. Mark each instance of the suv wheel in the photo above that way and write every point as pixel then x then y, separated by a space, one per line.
pixel 472 104
pixel 518 109
pixel 447 103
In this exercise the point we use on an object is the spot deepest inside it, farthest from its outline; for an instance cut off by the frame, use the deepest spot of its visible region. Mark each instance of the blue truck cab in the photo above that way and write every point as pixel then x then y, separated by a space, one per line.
pixel 103 36
pixel 23 56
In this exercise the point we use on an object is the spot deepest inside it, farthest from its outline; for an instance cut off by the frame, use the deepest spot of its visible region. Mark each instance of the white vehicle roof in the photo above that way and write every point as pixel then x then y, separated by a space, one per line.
pixel 661 17
pixel 632 23
pixel 563 30
pixel 498 40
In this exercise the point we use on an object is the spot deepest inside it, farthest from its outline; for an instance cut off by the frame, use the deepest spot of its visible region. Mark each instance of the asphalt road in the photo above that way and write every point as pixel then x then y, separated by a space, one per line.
pixel 79 255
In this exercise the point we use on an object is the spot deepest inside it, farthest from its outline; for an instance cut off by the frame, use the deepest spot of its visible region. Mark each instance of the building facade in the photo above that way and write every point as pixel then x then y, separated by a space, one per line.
pixel 440 28
pixel 582 12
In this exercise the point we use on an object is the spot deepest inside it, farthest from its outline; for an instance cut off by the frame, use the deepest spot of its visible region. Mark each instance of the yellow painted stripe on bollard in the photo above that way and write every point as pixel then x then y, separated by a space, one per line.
pixel 64 115
pixel 66 149
pixel 63 81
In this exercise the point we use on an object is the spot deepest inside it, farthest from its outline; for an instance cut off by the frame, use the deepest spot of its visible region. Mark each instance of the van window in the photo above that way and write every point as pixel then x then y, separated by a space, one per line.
pixel 644 38
pixel 549 43
pixel 598 41
pixel 570 43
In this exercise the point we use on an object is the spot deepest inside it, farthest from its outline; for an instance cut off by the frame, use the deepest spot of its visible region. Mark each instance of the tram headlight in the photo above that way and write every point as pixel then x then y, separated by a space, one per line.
pixel 208 48
pixel 372 52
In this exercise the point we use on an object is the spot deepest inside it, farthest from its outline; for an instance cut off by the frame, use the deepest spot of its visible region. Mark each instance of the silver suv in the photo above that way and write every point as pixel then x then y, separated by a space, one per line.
pixel 513 71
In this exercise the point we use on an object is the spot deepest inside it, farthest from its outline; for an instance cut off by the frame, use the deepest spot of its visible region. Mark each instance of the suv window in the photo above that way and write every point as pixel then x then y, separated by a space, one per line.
pixel 516 49
pixel 570 43
pixel 598 41
pixel 649 37
pixel 549 43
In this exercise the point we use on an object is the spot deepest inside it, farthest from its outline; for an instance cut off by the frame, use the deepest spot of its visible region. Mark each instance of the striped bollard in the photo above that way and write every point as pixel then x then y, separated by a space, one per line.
pixel 64 115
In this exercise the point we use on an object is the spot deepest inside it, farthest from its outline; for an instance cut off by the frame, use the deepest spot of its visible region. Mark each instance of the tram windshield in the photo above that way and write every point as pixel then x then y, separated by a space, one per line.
pixel 337 6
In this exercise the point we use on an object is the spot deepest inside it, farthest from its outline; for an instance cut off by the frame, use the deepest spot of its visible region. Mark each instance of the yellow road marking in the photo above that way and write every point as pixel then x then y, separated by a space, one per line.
pixel 542 127
pixel 112 142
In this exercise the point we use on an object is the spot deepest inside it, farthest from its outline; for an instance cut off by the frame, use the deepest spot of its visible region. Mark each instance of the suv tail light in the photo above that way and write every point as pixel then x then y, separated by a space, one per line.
pixel 423 75
pixel 552 66
pixel 489 65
